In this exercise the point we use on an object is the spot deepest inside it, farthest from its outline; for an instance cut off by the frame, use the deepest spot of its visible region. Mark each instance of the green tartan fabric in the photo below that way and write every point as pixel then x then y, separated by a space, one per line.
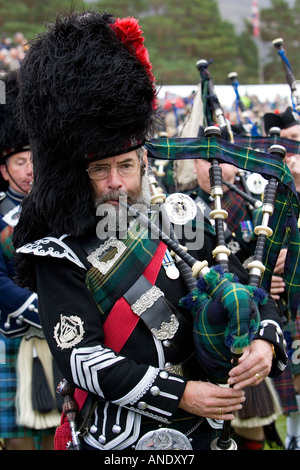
pixel 108 288
pixel 226 319
pixel 209 148
pixel 6 242
pixel 264 143
pixel 284 221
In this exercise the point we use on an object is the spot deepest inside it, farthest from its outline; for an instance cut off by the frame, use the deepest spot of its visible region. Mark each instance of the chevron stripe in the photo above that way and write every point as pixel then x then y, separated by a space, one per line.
pixel 87 362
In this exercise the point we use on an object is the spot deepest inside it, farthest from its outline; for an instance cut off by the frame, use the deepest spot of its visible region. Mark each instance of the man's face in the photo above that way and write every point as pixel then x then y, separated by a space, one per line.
pixel 292 133
pixel 122 179
pixel 293 160
pixel 18 171
pixel 115 184
pixel 202 171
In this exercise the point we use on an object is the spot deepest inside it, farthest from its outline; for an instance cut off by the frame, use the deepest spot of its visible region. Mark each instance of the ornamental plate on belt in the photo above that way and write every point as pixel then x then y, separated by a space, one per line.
pixel 180 208
pixel 164 439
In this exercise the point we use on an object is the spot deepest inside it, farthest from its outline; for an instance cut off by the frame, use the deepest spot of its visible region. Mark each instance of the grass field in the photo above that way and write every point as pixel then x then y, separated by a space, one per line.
pixel 281 429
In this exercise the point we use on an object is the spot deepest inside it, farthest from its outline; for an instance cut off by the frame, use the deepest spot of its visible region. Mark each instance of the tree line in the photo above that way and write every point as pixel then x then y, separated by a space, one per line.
pixel 178 34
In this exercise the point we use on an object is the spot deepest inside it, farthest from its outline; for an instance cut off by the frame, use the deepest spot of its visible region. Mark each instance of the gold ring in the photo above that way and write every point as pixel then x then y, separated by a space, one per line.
pixel 220 411
pixel 257 376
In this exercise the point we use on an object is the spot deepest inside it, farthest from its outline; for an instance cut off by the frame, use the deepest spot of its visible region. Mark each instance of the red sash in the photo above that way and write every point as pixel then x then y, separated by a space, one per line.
pixel 115 338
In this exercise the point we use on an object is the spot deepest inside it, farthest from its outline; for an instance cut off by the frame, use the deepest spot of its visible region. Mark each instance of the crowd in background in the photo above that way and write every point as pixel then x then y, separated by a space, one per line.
pixel 175 110
pixel 12 51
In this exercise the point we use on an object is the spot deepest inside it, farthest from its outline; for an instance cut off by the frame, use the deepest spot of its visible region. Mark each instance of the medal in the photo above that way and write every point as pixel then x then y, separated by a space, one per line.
pixel 172 271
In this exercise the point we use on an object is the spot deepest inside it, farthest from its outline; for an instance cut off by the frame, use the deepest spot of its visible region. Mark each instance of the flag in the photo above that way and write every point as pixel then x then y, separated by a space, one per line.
pixel 255 19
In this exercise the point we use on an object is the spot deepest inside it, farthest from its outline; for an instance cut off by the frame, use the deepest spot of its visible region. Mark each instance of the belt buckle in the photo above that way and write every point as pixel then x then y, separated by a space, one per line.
pixel 164 439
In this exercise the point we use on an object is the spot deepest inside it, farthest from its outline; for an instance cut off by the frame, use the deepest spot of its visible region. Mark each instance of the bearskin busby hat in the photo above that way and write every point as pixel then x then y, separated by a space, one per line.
pixel 282 120
pixel 86 92
pixel 13 137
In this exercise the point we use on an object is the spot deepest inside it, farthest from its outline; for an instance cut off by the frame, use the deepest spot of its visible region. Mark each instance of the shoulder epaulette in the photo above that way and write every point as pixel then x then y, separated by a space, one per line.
pixel 53 247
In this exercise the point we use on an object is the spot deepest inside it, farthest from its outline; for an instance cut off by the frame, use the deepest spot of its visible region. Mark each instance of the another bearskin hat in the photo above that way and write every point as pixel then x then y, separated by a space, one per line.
pixel 86 92
pixel 13 137
pixel 282 120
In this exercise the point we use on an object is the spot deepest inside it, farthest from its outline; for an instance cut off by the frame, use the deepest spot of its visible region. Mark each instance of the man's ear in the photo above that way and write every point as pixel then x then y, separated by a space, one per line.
pixel 144 164
pixel 3 172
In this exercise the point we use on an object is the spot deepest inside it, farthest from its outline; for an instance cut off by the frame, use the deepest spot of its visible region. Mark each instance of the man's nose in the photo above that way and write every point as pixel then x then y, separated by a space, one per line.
pixel 114 179
pixel 29 169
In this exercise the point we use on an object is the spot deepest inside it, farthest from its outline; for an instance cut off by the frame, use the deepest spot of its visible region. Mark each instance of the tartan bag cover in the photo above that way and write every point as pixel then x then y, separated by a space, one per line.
pixel 226 319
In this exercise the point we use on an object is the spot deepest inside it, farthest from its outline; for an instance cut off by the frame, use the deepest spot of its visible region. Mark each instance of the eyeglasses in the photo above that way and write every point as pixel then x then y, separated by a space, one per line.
pixel 100 172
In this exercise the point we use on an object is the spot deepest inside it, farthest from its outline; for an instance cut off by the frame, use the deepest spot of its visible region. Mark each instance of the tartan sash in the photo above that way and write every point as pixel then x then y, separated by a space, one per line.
pixel 284 221
pixel 108 288
pixel 122 314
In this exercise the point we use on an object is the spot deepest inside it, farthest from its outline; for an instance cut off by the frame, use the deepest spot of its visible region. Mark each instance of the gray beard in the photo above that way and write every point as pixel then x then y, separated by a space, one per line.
pixel 115 219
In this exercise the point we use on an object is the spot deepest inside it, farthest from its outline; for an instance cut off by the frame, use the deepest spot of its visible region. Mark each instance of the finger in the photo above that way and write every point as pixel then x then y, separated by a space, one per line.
pixel 228 397
pixel 275 296
pixel 248 372
pixel 277 281
pixel 226 413
pixel 254 378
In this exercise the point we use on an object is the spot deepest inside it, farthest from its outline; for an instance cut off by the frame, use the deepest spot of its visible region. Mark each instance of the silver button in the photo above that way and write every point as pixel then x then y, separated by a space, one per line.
pixel 93 429
pixel 166 343
pixel 163 374
pixel 154 391
pixel 116 429
pixel 102 439
pixel 142 405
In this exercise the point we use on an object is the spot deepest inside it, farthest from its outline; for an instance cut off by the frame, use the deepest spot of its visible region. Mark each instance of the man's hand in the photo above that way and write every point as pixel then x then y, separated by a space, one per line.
pixel 293 162
pixel 279 266
pixel 211 401
pixel 277 282
pixel 277 287
pixel 254 365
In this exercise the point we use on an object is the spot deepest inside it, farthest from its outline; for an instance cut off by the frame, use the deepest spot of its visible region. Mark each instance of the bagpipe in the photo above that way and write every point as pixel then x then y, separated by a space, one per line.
pixel 295 96
pixel 263 142
pixel 214 114
pixel 241 112
pixel 226 313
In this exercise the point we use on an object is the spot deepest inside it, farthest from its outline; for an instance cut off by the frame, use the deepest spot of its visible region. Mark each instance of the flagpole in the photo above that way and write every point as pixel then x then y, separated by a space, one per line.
pixel 256 35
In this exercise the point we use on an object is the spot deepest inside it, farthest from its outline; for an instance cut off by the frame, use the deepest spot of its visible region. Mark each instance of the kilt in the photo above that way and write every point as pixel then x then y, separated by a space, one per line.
pixel 284 382
pixel 285 388
pixel 9 428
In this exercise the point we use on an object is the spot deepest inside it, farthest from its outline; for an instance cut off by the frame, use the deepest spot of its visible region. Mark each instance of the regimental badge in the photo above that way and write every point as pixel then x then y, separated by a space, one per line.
pixel 113 248
pixel 180 208
pixel 256 183
pixel 68 332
